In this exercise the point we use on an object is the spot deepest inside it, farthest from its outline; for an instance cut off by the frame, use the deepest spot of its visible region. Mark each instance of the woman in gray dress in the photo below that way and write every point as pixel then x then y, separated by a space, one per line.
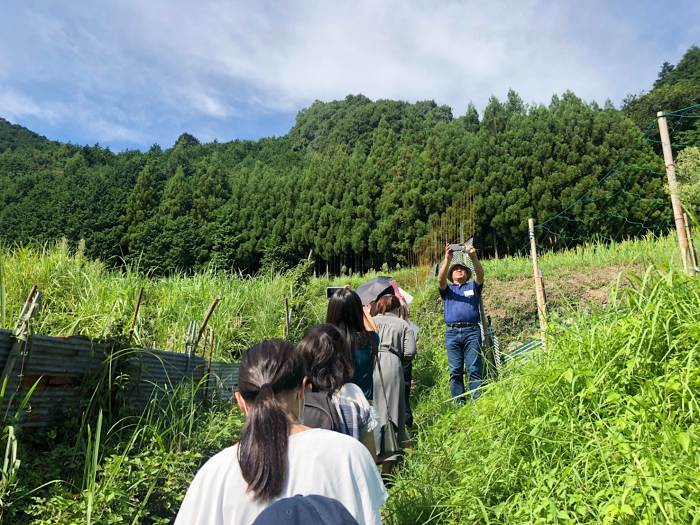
pixel 397 347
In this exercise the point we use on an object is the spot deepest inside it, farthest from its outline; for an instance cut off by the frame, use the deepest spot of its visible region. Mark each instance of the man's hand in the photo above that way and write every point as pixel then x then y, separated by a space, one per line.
pixel 471 252
pixel 448 251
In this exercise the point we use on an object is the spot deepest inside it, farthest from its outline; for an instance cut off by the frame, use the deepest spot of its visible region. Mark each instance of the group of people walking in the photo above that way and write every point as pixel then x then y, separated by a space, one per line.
pixel 322 415
pixel 346 379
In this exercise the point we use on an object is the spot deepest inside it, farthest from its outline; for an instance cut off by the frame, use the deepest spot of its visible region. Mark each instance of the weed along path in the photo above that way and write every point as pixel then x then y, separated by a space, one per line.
pixel 601 428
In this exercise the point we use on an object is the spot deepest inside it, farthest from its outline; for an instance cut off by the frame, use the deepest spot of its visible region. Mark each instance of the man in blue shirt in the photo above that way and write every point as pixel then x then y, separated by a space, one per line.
pixel 463 333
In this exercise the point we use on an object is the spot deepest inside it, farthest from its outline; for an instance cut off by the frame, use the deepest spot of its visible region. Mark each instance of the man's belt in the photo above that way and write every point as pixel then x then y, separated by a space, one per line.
pixel 461 325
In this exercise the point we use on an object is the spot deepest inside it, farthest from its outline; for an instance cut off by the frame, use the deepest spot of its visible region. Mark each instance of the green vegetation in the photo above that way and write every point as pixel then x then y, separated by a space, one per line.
pixel 87 298
pixel 13 136
pixel 676 87
pixel 357 181
pixel 602 428
pixel 134 471
pixel 688 171
pixel 83 297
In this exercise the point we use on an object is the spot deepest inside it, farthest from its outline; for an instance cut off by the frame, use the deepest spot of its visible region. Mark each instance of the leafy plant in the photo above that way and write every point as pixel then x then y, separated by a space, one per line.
pixel 600 428
pixel 11 463
pixel 3 295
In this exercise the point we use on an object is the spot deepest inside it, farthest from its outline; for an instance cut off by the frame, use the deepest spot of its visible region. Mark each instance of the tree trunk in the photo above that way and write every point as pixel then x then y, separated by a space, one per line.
pixel 495 244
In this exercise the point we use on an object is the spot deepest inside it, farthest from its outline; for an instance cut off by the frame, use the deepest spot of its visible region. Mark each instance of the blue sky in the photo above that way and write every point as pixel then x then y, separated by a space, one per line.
pixel 128 73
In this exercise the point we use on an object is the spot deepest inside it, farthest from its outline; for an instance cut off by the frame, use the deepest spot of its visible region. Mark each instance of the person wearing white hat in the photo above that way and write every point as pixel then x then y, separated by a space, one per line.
pixel 463 333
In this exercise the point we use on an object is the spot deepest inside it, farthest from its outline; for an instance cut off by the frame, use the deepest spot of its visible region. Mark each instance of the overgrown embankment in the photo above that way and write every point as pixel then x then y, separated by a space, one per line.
pixel 601 428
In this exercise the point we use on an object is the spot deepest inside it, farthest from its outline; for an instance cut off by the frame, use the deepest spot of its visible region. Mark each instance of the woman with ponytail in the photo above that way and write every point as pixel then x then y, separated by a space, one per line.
pixel 277 456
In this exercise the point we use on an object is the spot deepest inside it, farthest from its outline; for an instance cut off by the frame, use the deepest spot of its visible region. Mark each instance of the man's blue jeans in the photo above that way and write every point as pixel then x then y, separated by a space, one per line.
pixel 464 350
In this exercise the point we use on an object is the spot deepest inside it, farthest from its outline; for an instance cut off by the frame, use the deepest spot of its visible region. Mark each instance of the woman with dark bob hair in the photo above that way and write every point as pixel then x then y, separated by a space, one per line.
pixel 277 456
pixel 329 368
pixel 345 311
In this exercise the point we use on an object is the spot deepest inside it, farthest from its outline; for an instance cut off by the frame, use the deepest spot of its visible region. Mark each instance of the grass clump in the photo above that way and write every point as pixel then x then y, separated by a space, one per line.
pixel 87 298
pixel 135 471
pixel 601 428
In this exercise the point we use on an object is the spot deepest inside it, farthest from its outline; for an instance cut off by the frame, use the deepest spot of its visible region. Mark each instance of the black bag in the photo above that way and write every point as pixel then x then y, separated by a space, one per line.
pixel 320 412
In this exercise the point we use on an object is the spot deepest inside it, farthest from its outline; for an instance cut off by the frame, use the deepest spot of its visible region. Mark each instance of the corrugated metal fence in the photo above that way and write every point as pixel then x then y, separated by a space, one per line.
pixel 71 369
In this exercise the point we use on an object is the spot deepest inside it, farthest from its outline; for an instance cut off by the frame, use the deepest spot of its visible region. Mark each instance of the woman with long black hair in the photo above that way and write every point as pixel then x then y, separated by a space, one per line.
pixel 345 311
pixel 277 456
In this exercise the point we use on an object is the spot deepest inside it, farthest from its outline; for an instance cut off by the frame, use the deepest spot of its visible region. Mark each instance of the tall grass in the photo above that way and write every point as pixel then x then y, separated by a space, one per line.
pixel 602 428
pixel 136 471
pixel 3 297
pixel 85 297
pixel 638 252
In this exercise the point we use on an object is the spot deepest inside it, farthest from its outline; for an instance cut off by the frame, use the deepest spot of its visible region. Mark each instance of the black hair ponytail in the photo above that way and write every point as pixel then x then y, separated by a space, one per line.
pixel 266 369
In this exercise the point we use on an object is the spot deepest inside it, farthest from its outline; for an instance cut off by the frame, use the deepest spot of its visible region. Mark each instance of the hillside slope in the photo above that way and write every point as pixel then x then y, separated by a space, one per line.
pixel 557 438
pixel 601 427
pixel 14 136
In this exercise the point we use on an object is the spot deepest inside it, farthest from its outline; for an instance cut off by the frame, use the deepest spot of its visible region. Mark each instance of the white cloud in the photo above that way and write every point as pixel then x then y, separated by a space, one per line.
pixel 14 105
pixel 133 66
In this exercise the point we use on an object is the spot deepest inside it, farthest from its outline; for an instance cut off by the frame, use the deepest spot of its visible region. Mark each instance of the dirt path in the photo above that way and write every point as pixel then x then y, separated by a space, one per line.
pixel 513 309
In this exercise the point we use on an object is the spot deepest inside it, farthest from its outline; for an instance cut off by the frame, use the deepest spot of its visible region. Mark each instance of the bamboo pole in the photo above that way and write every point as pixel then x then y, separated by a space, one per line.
pixel 673 187
pixel 21 334
pixel 539 292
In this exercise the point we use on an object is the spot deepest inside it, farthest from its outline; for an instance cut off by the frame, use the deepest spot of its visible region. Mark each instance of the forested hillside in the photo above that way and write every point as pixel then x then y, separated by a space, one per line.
pixel 357 181
pixel 13 136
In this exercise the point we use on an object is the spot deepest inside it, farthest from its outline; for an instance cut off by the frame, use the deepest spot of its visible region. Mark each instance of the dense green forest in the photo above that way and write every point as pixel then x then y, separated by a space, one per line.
pixel 357 181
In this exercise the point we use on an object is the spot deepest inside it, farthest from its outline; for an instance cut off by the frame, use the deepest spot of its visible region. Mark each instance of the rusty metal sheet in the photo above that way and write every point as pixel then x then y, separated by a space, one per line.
pixel 68 368
pixel 5 345
pixel 59 367
pixel 226 377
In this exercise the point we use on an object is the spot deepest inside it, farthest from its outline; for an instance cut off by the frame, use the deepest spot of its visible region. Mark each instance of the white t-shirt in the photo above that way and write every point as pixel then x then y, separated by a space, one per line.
pixel 320 462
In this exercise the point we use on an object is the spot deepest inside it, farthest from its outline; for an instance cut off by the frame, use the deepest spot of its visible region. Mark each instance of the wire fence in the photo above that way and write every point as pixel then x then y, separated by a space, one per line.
pixel 630 200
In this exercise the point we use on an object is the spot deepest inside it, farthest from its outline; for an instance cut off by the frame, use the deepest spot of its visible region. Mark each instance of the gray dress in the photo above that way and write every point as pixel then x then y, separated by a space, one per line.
pixel 397 346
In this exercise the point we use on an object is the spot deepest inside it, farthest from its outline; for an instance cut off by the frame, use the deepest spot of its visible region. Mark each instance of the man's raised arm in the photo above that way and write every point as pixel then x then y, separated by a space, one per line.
pixel 478 269
pixel 442 275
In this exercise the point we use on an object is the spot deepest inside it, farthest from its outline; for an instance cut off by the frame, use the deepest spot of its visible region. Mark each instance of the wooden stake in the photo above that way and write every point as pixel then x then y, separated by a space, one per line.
pixel 206 340
pixel 673 187
pixel 691 245
pixel 21 335
pixel 136 312
pixel 204 323
pixel 286 317
pixel 541 304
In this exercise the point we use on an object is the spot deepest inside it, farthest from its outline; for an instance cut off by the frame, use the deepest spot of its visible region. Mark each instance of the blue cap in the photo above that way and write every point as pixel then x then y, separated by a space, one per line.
pixel 306 510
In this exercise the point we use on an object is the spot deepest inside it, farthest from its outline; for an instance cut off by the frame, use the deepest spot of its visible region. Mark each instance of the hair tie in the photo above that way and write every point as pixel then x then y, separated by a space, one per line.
pixel 265 384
